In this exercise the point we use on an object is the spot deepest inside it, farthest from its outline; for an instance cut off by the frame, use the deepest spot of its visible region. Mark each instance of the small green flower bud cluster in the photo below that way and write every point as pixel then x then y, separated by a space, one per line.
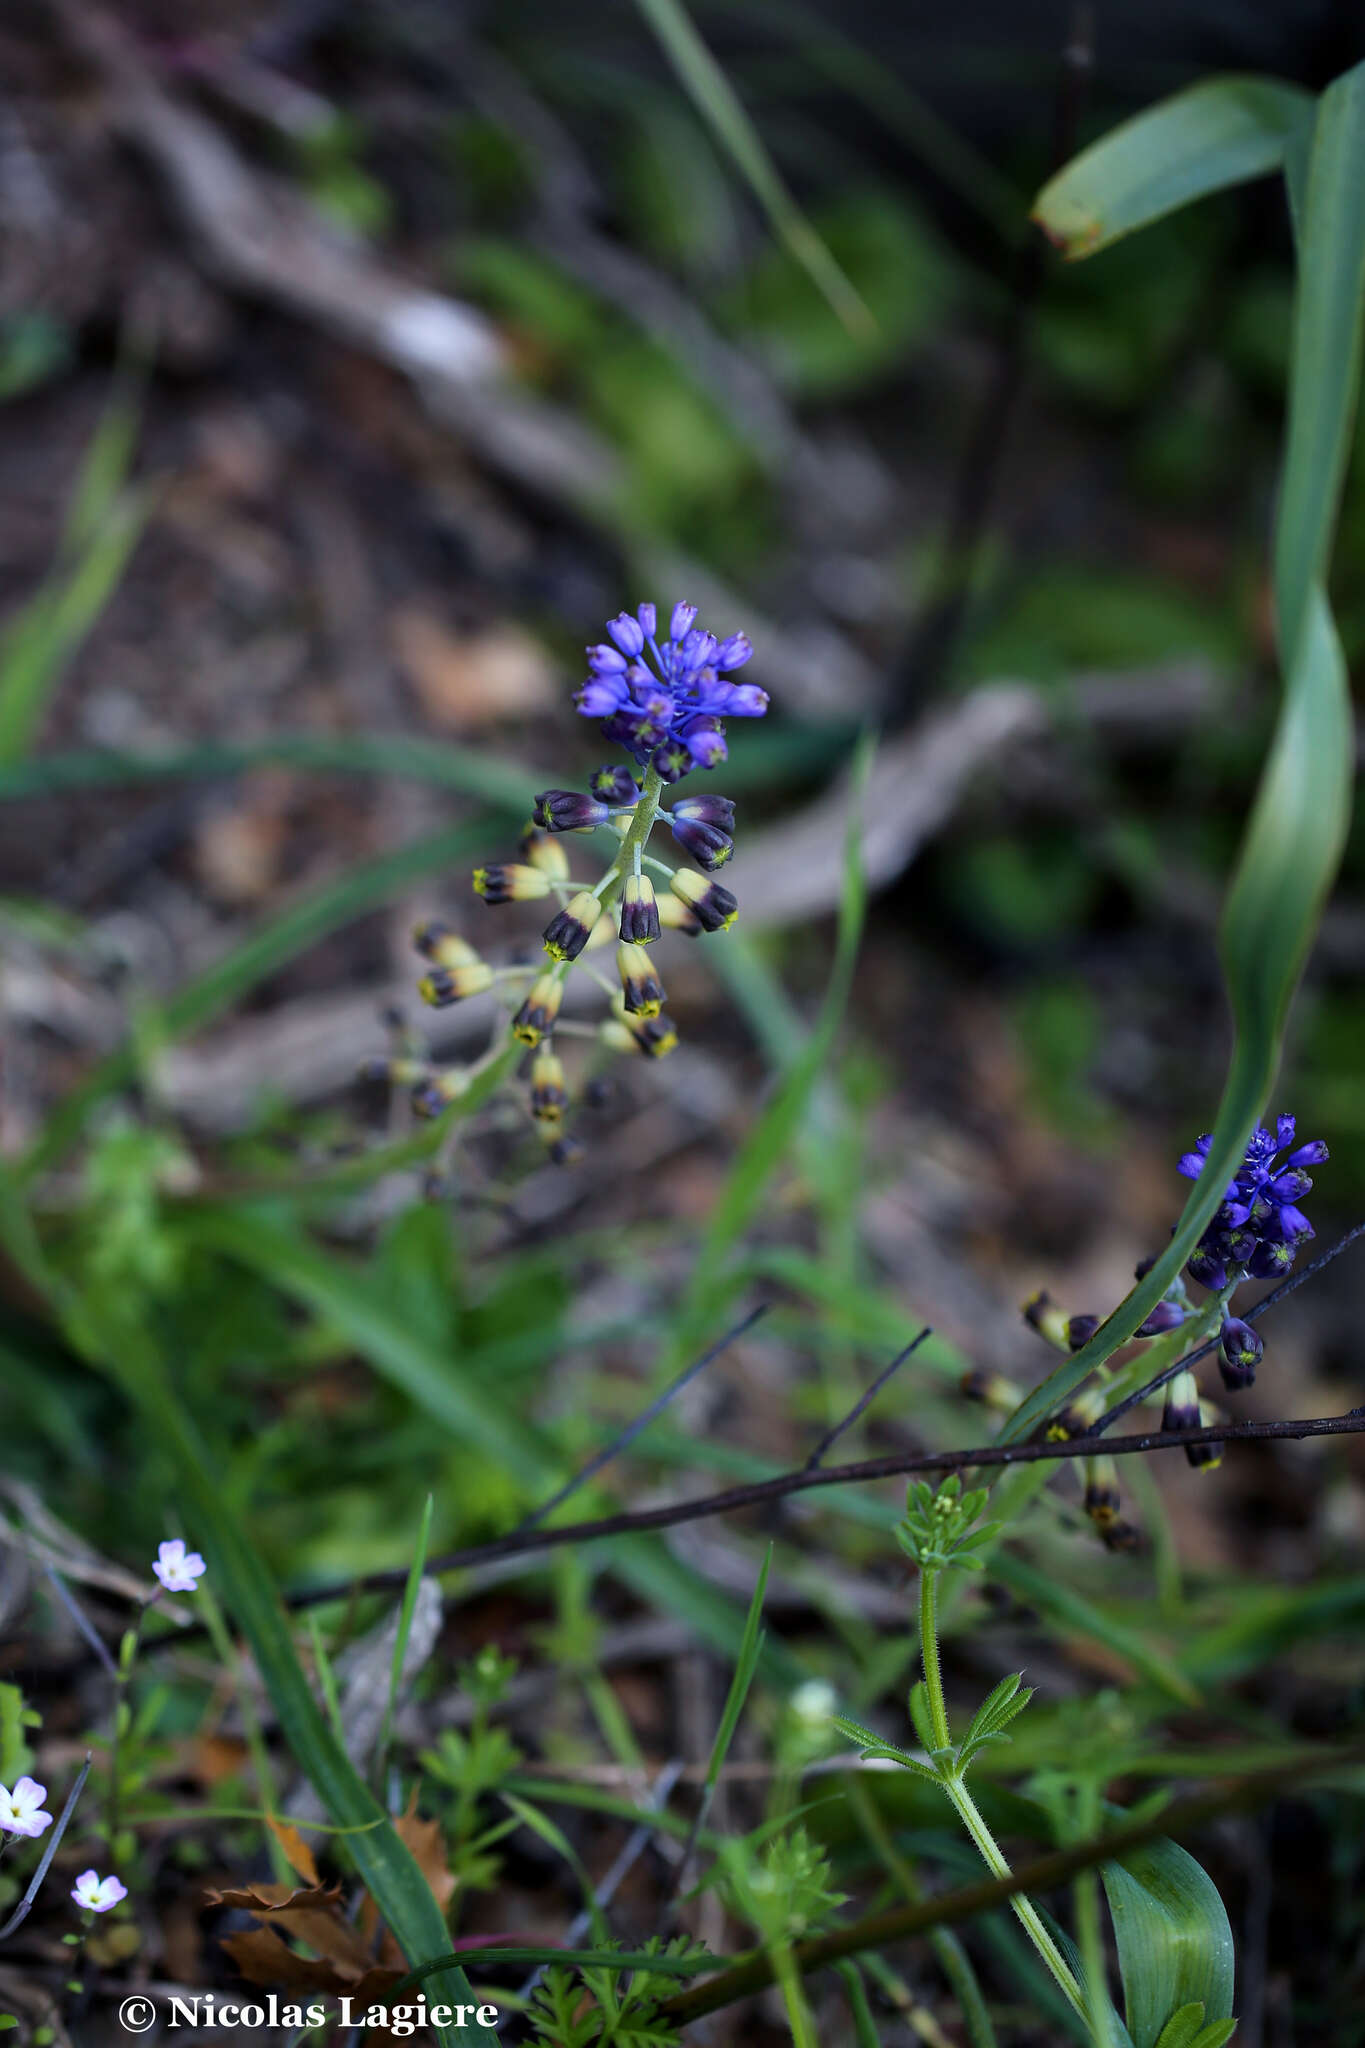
pixel 937 1530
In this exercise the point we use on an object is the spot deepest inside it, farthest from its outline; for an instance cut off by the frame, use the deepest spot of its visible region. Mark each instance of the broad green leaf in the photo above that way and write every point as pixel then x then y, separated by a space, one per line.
pixel 1174 1941
pixel 1213 135
pixel 1293 841
pixel 1173 1938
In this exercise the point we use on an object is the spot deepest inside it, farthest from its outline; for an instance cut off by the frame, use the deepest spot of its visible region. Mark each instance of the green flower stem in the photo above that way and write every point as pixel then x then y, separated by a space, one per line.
pixel 121 1715
pixel 965 1806
pixel 635 841
pixel 793 1997
pixel 1025 1911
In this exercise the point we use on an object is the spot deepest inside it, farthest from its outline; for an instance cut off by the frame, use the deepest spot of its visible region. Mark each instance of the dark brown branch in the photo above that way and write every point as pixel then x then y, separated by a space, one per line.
pixel 762 1492
pixel 1181 1816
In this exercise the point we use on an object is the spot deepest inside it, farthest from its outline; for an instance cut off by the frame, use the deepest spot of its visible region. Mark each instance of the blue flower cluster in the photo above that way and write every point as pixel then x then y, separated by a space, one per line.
pixel 667 709
pixel 1259 1227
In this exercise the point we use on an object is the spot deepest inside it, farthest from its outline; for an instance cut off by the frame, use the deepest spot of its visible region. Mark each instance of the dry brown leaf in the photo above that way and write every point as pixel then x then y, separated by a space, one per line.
pixel 275 1898
pixel 472 681
pixel 427 1843
pixel 263 1958
pixel 297 1853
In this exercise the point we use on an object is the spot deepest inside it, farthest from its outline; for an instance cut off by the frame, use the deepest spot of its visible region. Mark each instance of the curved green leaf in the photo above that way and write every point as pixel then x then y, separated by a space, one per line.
pixel 1174 1941
pixel 1201 140
pixel 1301 812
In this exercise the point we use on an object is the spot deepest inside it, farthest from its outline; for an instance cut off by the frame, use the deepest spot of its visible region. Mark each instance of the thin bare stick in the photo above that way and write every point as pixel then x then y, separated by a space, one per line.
pixel 764 1491
pixel 863 1403
pixel 642 1421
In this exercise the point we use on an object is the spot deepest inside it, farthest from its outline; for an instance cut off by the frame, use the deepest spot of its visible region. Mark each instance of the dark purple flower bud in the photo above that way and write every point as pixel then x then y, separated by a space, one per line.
pixel 734 652
pixel 1144 1267
pixel 624 728
pixel 1271 1259
pixel 1165 1316
pixel 709 847
pixel 1080 1330
pixel 606 661
pixel 625 631
pixel 1191 1164
pixel 1293 1225
pixel 600 696
pixel 1240 1354
pixel 714 908
pixel 1289 1187
pixel 614 785
pixel 1209 1271
pixel 1285 1127
pixel 564 810
pixel 681 622
pixel 671 761
pixel 707 809
pixel 1314 1153
pixel 649 620
pixel 705 742
pixel 1234 1247
pixel 1232 1215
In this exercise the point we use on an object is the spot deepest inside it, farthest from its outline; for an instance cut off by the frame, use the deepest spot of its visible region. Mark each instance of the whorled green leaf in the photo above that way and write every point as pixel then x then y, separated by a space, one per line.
pixel 1294 837
pixel 1174 1941
pixel 1213 135
pixel 1186 2029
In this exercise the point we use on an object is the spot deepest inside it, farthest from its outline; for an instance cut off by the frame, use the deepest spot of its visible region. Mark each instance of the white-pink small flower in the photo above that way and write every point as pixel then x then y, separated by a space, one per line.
pixel 21 1811
pixel 97 1894
pixel 178 1569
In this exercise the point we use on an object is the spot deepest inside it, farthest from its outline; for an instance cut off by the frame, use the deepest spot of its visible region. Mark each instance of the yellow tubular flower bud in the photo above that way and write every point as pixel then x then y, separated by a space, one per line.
pixel 643 989
pixel 549 1096
pixel 538 1013
pixel 677 916
pixel 567 934
pixel 541 850
pixel 445 985
pixel 511 882
pixel 443 947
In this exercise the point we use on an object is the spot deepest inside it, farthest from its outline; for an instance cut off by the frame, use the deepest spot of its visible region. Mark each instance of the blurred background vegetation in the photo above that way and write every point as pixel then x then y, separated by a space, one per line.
pixel 356 361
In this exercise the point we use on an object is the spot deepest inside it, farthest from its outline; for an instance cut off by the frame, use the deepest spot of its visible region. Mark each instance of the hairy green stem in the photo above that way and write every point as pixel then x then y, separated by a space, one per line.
pixel 965 1806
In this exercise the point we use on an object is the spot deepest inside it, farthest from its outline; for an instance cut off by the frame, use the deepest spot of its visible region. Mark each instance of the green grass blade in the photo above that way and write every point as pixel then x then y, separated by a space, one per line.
pixel 274 943
pixel 1072 1613
pixel 743 1678
pixel 104 522
pixel 1299 819
pixel 366 1315
pixel 720 107
pixel 384 1863
pixel 770 1139
pixel 400 1642
pixel 42 640
pixel 504 786
pixel 1325 362
pixel 1213 135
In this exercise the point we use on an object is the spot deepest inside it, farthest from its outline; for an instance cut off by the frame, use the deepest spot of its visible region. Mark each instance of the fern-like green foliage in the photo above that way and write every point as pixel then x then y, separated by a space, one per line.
pixel 599 2007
